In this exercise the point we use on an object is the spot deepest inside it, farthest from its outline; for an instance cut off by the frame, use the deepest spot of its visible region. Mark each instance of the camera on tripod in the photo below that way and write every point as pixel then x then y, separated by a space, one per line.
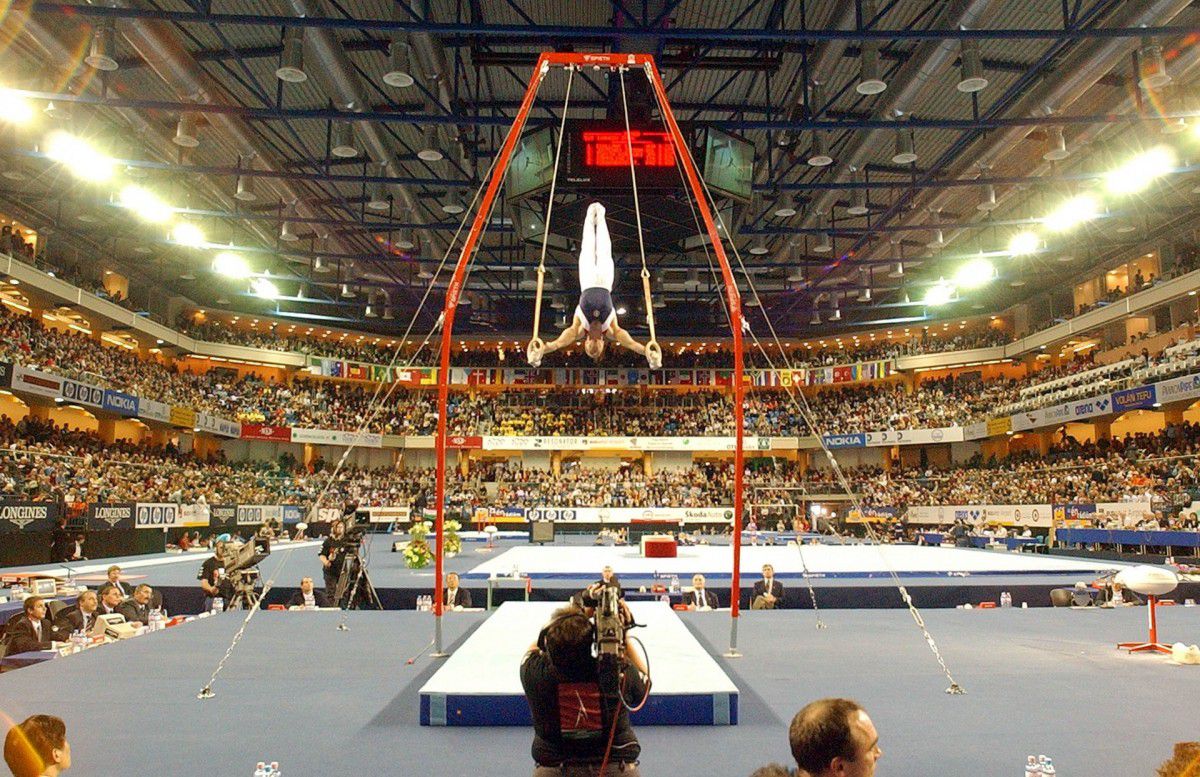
pixel 241 569
pixel 609 618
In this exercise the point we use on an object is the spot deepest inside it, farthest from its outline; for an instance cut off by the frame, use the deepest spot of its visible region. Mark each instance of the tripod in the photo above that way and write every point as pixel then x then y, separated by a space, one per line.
pixel 245 596
pixel 355 591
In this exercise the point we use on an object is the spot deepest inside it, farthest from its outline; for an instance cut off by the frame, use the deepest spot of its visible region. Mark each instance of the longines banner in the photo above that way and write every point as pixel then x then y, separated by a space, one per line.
pixel 222 515
pixel 6 374
pixel 27 516
pixel 630 514
pixel 337 437
pixel 1013 515
pixel 102 517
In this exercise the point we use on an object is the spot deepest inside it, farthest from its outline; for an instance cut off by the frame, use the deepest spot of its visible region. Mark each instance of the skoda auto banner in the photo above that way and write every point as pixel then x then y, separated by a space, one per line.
pixel 122 404
pixel 153 410
pixel 41 383
pixel 1012 515
pixel 1134 398
pixel 265 432
pixel 214 424
pixel 82 393
pixel 27 516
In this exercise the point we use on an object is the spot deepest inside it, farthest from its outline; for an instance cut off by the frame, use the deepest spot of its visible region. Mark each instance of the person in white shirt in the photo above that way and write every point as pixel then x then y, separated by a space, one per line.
pixel 701 598
pixel 456 598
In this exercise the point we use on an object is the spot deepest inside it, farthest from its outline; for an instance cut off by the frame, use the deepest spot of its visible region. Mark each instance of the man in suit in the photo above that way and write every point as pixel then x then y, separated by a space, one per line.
pixel 114 578
pixel 31 630
pixel 700 598
pixel 110 599
pixel 768 592
pixel 608 577
pixel 456 598
pixel 81 617
pixel 62 542
pixel 308 596
pixel 136 609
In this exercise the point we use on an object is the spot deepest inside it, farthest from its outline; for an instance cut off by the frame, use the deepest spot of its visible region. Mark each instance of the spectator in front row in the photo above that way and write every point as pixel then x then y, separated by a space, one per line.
pixel 834 737
pixel 136 608
pixel 308 596
pixel 456 598
pixel 81 617
pixel 768 592
pixel 38 747
pixel 114 579
pixel 700 598
pixel 31 630
pixel 110 599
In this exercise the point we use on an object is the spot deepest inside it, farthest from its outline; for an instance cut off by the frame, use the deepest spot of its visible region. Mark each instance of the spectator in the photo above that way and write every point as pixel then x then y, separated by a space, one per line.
pixel 308 597
pixel 834 737
pixel 456 598
pixel 38 747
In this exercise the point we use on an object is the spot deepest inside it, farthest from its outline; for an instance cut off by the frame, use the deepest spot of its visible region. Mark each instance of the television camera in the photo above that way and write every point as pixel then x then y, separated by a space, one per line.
pixel 241 570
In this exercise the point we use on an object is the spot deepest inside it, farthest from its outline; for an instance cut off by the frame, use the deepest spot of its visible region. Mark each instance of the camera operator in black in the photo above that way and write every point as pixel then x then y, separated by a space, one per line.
pixel 333 556
pixel 562 679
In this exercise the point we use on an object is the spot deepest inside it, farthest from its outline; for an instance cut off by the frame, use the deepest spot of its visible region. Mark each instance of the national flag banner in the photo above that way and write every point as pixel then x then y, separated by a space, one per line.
pixel 429 376
pixel 725 377
pixel 658 378
pixel 337 368
pixel 683 378
pixel 633 377
pixel 856 371
pixel 703 377
pixel 820 376
pixel 356 371
pixel 589 377
pixel 379 373
pixel 560 377
pixel 843 374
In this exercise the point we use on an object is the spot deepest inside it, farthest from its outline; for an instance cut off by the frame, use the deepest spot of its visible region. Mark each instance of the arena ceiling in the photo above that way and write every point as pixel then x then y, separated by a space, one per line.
pixel 296 136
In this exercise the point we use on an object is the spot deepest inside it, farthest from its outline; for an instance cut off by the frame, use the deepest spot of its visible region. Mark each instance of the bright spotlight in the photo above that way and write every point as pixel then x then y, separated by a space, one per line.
pixel 14 108
pixel 230 265
pixel 1139 172
pixel 1072 213
pixel 145 204
pixel 1024 243
pixel 80 158
pixel 264 288
pixel 939 294
pixel 188 234
pixel 621 311
pixel 975 273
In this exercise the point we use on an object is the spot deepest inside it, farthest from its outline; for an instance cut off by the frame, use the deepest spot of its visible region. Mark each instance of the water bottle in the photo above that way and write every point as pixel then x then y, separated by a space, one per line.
pixel 260 770
pixel 674 583
pixel 275 769
pixel 218 605
pixel 1032 767
pixel 1047 765
pixel 1005 599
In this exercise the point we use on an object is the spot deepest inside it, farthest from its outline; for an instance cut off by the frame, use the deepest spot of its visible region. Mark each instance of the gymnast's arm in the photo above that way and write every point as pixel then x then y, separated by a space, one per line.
pixel 569 335
pixel 624 339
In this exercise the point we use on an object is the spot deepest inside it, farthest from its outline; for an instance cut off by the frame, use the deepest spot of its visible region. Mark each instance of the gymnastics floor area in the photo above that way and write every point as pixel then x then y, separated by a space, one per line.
pixel 323 701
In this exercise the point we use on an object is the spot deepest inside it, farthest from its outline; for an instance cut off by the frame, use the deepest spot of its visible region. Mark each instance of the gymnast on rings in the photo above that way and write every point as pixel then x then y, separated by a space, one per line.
pixel 595 317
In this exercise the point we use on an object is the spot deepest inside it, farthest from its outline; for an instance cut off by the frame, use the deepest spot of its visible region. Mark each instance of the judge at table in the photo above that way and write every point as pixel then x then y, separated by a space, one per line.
pixel 768 592
pixel 700 597
pixel 456 598
pixel 31 630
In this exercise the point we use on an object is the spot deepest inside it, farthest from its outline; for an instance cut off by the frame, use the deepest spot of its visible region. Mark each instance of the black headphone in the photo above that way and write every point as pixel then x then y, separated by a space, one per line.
pixel 543 644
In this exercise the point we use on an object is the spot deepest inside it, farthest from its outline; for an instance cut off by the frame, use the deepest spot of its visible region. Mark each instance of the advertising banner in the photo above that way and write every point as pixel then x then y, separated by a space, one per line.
pixel 183 416
pixel 265 432
pixel 206 422
pixel 156 515
pixel 467 442
pixel 1101 404
pixel 503 443
pixel 912 436
pixel 27 516
pixel 253 515
pixel 1134 398
pixel 1177 389
pixel 873 515
pixel 976 431
pixel 121 404
pixel 6 374
pixel 102 517
pixel 856 440
pixel 619 515
pixel 494 514
pixel 998 426
pixel 224 516
pixel 1011 515
pixel 153 410
pixel 337 437
pixel 41 383
pixel 194 515
pixel 293 514
pixel 82 393
pixel 1118 515
pixel 387 514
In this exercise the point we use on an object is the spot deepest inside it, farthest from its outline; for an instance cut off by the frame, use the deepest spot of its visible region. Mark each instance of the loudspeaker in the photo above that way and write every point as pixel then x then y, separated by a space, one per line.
pixel 541 531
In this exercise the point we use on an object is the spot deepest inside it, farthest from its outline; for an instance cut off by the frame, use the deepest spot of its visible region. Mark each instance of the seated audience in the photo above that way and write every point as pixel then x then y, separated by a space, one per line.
pixel 308 596
pixel 81 617
pixel 31 629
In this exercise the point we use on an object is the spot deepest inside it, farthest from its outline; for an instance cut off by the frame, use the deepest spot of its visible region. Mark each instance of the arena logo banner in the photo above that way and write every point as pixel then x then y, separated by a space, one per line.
pixel 464 442
pixel 27 516
pixel 121 404
pixel 43 384
pixel 856 440
pixel 624 515
pixel 206 422
pixel 871 514
pixel 183 416
pixel 105 517
pixel 975 431
pixel 913 436
pixel 293 514
pixel 254 515
pixel 266 432
pixel 157 515
pixel 1134 398
pixel 82 393
pixel 222 515
pixel 153 410
pixel 337 437
pixel 1177 389
pixel 1092 406
pixel 388 514
pixel 982 515
pixel 494 514
pixel 6 374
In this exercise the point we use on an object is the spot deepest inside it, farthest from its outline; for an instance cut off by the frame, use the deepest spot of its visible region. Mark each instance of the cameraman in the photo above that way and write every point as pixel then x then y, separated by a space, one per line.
pixel 563 684
pixel 333 556
pixel 212 578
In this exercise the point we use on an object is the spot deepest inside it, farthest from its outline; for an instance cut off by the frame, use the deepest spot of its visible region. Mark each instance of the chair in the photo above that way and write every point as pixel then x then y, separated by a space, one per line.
pixel 54 607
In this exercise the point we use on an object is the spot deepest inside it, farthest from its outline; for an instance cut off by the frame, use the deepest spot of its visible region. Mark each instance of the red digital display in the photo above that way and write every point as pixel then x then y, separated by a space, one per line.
pixel 604 148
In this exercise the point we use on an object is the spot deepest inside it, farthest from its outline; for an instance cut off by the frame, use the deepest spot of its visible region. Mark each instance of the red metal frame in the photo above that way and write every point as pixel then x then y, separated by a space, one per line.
pixel 1152 645
pixel 733 298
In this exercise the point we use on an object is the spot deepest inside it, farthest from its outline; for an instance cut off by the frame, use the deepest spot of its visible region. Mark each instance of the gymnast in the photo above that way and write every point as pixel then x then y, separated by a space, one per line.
pixel 595 318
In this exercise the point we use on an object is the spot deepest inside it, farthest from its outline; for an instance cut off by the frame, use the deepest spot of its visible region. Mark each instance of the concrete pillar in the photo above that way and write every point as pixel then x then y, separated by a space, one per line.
pixel 107 430
pixel 310 455
pixel 1173 416
pixel 647 465
pixel 556 462
pixel 40 412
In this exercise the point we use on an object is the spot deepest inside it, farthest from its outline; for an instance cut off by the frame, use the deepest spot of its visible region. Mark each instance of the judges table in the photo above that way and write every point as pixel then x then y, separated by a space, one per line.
pixel 1174 539
pixel 1012 543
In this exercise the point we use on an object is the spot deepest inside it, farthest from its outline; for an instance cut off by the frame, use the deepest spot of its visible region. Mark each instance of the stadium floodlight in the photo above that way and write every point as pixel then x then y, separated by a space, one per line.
pixel 231 265
pixel 1140 171
pixel 145 204
pixel 264 288
pixel 78 156
pixel 1024 243
pixel 975 273
pixel 14 108
pixel 940 293
pixel 1072 213
pixel 188 234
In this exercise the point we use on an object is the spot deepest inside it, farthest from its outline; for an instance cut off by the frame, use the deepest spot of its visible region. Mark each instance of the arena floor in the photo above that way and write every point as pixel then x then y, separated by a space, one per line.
pixel 322 701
